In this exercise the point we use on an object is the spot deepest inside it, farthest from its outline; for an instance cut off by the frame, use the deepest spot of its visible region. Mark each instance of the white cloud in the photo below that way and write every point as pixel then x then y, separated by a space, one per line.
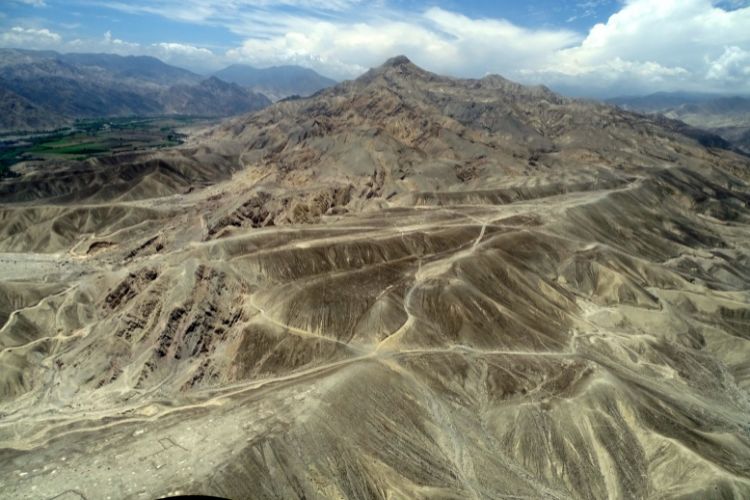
pixel 29 38
pixel 661 45
pixel 733 66
pixel 186 55
pixel 438 39
pixel 117 45
pixel 35 3
pixel 647 45
pixel 181 49
pixel 180 54
pixel 237 15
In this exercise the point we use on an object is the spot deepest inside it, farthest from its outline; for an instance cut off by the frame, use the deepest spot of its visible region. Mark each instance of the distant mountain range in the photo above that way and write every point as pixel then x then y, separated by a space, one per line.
pixel 726 116
pixel 43 89
pixel 276 82
pixel 660 100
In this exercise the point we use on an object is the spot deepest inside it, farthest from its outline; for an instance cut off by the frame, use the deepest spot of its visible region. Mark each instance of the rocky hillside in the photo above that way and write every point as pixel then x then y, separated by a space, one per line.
pixel 406 286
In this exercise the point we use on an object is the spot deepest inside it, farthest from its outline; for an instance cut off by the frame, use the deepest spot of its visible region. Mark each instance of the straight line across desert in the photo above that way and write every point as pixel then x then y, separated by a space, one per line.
pixel 403 286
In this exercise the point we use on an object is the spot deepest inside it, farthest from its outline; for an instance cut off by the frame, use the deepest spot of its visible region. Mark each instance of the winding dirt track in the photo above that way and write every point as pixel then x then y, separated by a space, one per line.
pixel 413 287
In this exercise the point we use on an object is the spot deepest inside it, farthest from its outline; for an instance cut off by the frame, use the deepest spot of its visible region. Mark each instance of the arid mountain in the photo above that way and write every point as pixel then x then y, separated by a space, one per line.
pixel 136 69
pixel 276 82
pixel 406 286
pixel 101 67
pixel 103 85
pixel 728 117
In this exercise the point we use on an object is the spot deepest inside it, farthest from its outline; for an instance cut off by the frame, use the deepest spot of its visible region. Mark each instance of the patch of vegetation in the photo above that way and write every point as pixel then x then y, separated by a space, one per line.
pixel 69 146
pixel 94 137
pixel 7 159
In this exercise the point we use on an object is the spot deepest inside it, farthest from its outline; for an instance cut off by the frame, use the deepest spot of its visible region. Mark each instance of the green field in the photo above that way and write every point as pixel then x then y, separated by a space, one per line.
pixel 88 138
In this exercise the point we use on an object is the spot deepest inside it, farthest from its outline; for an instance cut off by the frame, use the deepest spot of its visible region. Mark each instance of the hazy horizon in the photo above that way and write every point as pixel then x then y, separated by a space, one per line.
pixel 567 90
pixel 598 48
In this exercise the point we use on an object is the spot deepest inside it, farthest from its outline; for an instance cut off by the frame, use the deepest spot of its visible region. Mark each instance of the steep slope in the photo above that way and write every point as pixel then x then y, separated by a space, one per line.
pixel 405 286
pixel 276 82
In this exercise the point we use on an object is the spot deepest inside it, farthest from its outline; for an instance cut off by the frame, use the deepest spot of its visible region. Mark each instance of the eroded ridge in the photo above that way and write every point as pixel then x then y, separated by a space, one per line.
pixel 568 324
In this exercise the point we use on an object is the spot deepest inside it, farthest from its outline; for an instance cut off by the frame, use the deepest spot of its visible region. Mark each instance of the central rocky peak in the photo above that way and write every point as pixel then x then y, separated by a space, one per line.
pixel 399 67
pixel 400 73
pixel 398 61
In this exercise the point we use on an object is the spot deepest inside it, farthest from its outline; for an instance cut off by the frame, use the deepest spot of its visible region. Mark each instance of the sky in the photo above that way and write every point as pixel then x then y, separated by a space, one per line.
pixel 597 48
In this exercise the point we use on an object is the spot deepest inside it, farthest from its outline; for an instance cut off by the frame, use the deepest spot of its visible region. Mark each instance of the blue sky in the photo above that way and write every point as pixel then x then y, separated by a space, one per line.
pixel 81 19
pixel 589 47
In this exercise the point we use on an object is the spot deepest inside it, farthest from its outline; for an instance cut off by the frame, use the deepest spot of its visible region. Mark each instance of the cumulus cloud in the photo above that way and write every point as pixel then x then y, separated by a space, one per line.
pixel 182 49
pixel 117 45
pixel 29 38
pixel 343 50
pixel 438 39
pixel 646 45
pixel 182 54
pixel 660 45
pixel 733 66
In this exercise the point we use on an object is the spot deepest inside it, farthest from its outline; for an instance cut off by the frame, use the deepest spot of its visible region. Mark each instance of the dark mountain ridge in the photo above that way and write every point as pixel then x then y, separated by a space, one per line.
pixel 75 86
